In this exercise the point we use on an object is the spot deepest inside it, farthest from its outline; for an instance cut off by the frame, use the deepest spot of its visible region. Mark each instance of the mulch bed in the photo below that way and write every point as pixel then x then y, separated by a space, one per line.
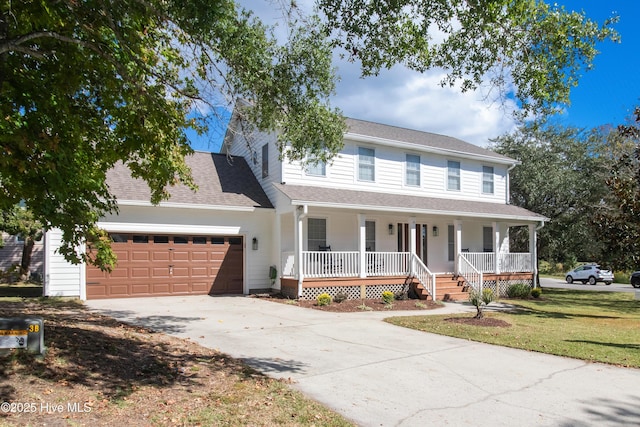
pixel 356 305
pixel 485 321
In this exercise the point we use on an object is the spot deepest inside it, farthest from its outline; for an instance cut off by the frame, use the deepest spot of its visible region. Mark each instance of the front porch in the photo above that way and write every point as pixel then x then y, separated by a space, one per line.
pixel 367 275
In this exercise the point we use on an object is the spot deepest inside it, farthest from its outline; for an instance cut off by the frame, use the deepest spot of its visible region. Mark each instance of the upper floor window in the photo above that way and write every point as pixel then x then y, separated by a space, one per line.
pixel 265 160
pixel 487 179
pixel 366 164
pixel 317 168
pixel 412 170
pixel 453 175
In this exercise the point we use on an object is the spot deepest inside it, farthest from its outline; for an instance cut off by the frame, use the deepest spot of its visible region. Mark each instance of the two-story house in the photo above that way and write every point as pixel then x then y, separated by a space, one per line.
pixel 395 208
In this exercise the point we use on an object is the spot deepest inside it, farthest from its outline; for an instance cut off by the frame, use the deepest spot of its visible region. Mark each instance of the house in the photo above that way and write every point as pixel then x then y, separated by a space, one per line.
pixel 396 209
pixel 11 255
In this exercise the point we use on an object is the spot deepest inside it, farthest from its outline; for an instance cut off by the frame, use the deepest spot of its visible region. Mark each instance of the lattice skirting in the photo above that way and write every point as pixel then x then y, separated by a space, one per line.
pixel 352 292
pixel 499 287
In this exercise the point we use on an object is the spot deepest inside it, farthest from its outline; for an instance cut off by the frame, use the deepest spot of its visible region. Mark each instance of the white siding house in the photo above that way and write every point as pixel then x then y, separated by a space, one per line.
pixel 396 209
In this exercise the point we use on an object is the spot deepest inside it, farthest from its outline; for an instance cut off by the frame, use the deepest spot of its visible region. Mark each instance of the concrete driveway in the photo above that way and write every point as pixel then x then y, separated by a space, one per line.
pixel 377 374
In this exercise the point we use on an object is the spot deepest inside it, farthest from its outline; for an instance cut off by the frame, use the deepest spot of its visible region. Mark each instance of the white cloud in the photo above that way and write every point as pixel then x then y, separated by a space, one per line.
pixel 417 101
pixel 404 98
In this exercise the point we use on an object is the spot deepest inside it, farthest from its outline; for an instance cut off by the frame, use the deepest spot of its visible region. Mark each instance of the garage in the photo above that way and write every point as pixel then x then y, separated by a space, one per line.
pixel 163 264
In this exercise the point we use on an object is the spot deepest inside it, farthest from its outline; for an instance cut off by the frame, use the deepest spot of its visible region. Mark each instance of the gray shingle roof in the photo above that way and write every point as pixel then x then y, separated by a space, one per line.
pixel 221 182
pixel 426 139
pixel 321 196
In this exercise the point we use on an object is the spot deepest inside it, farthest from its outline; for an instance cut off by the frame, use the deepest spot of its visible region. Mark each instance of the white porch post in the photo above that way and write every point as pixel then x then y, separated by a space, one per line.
pixel 457 226
pixel 533 238
pixel 412 242
pixel 300 213
pixel 496 246
pixel 362 243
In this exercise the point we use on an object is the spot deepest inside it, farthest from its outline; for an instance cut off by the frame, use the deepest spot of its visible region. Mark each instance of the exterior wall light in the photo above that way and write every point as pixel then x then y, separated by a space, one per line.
pixel 435 231
pixel 254 244
pixel 390 228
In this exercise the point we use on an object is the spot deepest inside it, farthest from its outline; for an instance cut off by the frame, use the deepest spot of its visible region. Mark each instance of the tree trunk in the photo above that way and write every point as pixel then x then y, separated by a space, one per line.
pixel 479 314
pixel 25 264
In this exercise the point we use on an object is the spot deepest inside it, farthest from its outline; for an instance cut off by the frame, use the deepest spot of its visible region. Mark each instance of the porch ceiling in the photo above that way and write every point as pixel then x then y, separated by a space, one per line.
pixel 351 199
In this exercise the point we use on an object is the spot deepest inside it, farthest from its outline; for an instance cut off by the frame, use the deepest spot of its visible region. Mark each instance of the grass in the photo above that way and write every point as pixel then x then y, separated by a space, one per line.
pixel 593 326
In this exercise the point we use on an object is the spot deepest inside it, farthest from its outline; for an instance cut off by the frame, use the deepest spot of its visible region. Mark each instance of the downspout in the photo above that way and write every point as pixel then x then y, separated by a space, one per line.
pixel 509 183
pixel 301 213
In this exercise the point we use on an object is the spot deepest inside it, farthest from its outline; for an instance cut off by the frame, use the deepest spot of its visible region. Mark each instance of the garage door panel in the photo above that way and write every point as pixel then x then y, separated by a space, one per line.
pixel 140 255
pixel 212 266
pixel 140 272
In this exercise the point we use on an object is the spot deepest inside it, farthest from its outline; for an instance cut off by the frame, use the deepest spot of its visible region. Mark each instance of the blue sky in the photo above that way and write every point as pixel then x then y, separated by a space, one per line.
pixel 607 94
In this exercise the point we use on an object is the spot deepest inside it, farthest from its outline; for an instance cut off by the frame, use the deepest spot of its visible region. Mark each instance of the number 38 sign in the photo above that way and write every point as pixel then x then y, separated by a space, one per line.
pixel 22 332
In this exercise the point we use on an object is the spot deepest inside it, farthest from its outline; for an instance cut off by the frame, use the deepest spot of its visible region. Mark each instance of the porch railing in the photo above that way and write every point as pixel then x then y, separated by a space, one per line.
pixel 387 263
pixel 472 275
pixel 330 264
pixel 485 262
pixel 516 263
pixel 424 276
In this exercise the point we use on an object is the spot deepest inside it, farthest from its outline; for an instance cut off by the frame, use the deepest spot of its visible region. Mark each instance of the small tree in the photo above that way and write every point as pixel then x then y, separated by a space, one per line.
pixel 480 299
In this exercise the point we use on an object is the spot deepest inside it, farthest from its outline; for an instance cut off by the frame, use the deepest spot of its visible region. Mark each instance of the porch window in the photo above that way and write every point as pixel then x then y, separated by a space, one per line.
pixel 453 175
pixel 265 160
pixel 487 179
pixel 451 242
pixel 370 235
pixel 316 233
pixel 366 164
pixel 413 170
pixel 487 239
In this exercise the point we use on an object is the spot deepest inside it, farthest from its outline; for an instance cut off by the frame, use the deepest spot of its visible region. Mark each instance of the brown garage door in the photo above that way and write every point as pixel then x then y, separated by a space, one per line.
pixel 160 264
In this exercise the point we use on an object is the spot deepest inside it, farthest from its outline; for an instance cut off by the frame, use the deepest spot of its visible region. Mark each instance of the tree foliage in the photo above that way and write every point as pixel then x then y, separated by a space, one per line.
pixel 617 220
pixel 85 84
pixel 540 49
pixel 561 176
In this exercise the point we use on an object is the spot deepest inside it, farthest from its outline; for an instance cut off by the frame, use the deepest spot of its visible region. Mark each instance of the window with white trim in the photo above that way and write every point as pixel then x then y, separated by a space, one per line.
pixel 370 236
pixel 366 164
pixel 451 242
pixel 412 174
pixel 316 168
pixel 487 179
pixel 316 233
pixel 453 175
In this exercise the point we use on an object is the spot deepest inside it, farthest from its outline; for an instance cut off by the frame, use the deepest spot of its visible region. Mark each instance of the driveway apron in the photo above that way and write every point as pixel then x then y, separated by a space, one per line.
pixel 377 374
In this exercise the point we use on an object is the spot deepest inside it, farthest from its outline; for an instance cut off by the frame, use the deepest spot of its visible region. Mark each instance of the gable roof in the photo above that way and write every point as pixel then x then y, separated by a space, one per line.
pixel 222 181
pixel 352 199
pixel 381 133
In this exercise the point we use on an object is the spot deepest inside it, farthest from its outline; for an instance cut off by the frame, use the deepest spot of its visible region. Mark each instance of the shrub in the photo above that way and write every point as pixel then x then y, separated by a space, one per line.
pixel 536 292
pixel 323 299
pixel 519 290
pixel 480 299
pixel 340 296
pixel 388 297
pixel 622 276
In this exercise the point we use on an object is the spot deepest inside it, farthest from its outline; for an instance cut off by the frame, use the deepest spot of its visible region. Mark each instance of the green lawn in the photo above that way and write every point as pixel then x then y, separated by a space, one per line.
pixel 595 326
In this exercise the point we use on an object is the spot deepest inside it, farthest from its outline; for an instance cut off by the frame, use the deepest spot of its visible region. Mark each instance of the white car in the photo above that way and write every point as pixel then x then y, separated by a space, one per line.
pixel 589 273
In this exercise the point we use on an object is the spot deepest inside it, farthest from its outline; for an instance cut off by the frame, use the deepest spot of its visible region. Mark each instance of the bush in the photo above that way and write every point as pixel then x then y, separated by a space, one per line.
pixel 536 292
pixel 622 276
pixel 480 299
pixel 340 296
pixel 323 299
pixel 388 297
pixel 519 290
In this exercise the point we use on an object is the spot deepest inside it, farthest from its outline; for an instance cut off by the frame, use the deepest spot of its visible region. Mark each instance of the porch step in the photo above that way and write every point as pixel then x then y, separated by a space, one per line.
pixel 450 287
